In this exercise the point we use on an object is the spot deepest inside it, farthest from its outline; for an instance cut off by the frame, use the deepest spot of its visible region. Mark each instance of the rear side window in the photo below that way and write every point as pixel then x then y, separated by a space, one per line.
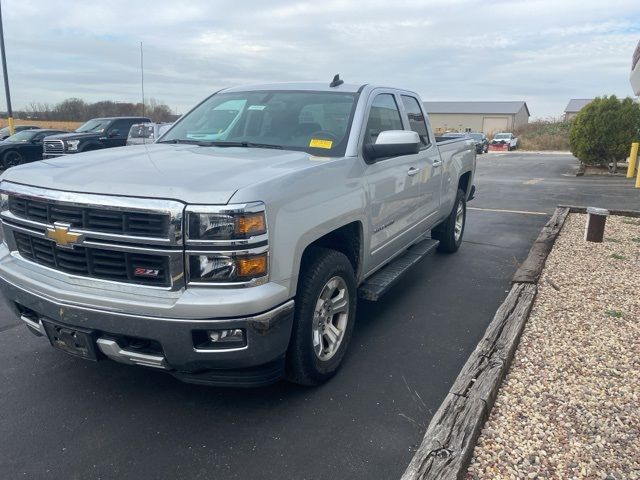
pixel 416 118
pixel 384 115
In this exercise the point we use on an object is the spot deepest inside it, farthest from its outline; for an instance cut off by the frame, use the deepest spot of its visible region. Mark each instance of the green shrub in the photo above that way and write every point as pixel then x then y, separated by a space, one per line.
pixel 550 134
pixel 603 130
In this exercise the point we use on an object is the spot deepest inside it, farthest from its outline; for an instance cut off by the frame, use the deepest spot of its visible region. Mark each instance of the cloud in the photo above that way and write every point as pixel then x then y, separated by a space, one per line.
pixel 544 52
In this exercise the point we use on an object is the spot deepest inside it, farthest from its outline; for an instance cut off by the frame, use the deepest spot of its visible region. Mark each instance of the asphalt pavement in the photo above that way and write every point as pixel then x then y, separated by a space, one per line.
pixel 64 418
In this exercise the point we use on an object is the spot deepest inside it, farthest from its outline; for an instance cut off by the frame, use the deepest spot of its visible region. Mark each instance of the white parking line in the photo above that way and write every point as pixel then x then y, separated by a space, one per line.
pixel 523 212
pixel 533 181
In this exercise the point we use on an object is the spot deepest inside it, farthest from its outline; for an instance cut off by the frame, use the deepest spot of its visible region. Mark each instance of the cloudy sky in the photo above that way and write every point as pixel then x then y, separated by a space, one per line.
pixel 541 51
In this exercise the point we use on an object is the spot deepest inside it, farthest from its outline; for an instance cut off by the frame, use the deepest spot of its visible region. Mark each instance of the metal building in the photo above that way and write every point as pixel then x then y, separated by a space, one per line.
pixel 574 106
pixel 486 117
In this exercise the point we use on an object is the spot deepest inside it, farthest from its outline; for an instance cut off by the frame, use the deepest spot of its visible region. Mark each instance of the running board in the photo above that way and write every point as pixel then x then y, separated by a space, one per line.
pixel 380 282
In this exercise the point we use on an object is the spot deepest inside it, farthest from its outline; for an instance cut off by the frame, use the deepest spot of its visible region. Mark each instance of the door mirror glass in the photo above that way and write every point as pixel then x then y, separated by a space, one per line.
pixel 393 143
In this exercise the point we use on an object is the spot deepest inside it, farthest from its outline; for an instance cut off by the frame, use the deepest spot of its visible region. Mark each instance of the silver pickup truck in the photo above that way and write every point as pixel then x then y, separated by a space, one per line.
pixel 234 249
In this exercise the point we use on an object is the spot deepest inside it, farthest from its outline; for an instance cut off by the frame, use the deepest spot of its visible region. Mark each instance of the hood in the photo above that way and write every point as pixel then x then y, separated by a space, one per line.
pixel 75 136
pixel 189 173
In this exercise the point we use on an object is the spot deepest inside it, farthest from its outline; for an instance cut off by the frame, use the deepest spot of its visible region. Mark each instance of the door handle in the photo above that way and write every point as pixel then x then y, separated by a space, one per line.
pixel 413 171
pixel 437 163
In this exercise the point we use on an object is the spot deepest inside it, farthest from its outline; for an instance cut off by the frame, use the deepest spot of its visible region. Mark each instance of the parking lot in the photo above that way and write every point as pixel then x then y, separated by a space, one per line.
pixel 66 418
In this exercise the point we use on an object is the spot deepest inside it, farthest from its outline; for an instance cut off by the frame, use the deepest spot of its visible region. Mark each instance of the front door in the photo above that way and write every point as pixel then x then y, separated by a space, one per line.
pixel 394 186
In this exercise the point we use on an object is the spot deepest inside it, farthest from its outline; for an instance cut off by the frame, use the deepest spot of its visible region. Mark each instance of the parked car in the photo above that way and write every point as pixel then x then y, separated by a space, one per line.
pixel 482 143
pixel 235 258
pixel 142 133
pixel 24 146
pixel 503 141
pixel 4 132
pixel 95 134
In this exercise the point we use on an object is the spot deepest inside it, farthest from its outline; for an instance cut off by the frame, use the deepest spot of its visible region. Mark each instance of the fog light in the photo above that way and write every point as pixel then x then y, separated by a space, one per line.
pixel 226 335
pixel 219 339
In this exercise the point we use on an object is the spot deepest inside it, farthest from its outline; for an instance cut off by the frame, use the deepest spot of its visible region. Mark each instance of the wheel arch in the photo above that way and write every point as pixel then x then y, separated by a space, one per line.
pixel 347 239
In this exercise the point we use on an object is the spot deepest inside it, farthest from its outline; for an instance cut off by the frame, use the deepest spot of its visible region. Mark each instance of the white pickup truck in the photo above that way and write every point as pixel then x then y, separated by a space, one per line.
pixel 234 249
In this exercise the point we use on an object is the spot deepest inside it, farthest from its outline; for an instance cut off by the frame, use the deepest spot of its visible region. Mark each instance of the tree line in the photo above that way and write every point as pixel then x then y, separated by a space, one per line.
pixel 76 109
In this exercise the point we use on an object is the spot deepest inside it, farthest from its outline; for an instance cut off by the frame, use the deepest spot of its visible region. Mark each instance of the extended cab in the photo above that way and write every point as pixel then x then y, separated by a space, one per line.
pixel 95 134
pixel 233 250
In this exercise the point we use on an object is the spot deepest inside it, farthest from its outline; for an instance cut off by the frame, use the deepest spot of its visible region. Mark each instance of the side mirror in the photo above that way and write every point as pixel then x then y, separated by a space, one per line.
pixel 392 143
pixel 114 133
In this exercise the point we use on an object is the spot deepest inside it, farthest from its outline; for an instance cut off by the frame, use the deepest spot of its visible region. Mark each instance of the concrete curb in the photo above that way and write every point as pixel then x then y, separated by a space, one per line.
pixel 447 447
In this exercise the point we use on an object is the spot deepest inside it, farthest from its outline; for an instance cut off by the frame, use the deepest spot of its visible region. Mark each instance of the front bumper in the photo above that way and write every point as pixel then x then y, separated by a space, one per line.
pixel 26 287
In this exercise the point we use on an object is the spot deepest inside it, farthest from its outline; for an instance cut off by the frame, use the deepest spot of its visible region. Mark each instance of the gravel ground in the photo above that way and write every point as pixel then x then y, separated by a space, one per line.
pixel 569 407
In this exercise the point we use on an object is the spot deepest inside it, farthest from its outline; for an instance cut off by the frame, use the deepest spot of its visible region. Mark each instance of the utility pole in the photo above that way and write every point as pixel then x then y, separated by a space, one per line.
pixel 142 77
pixel 6 76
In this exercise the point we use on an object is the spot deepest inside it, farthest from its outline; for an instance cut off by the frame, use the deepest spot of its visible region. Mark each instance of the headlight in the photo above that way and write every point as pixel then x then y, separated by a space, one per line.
pixel 227 223
pixel 72 145
pixel 221 268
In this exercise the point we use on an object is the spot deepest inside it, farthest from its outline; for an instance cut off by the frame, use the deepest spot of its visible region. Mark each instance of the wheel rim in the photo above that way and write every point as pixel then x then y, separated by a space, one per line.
pixel 330 318
pixel 457 229
pixel 12 159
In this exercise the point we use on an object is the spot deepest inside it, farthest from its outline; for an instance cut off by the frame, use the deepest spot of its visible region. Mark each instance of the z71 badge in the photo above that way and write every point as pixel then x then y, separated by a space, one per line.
pixel 146 272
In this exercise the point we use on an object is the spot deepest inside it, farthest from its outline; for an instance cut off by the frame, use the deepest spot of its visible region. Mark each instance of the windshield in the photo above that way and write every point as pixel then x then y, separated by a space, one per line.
pixel 97 126
pixel 21 137
pixel 476 136
pixel 314 122
pixel 502 136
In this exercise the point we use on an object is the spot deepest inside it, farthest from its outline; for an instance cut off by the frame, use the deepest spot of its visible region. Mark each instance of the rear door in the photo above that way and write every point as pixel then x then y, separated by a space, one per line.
pixel 430 176
pixel 394 184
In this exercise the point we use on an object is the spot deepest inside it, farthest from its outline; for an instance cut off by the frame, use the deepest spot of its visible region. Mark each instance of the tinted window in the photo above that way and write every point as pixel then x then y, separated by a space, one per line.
pixel 122 126
pixel 416 118
pixel 384 115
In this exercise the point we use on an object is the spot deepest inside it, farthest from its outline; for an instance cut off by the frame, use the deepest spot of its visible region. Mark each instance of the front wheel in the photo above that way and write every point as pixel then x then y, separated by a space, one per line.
pixel 11 159
pixel 324 317
pixel 450 232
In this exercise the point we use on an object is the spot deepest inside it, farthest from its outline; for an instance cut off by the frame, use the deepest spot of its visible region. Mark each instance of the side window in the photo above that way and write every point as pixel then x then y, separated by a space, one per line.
pixel 416 118
pixel 122 126
pixel 384 115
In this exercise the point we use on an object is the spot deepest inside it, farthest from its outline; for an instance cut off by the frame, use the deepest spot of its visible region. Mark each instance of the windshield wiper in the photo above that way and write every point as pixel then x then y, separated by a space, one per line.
pixel 180 140
pixel 239 144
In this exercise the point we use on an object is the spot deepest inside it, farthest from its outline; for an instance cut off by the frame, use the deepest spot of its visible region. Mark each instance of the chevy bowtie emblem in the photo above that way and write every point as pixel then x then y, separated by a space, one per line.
pixel 60 234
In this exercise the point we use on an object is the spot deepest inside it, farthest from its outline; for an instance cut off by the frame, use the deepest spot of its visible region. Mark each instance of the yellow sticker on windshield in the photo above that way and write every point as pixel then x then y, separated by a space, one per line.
pixel 318 143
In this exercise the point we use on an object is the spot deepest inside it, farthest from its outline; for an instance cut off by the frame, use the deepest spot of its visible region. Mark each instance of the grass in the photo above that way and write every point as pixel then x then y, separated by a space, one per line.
pixel 617 256
pixel 636 239
pixel 628 221
pixel 612 240
pixel 543 135
pixel 614 313
pixel 43 124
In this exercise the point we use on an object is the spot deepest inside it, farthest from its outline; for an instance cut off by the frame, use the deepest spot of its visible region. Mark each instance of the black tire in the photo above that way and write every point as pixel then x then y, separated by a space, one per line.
pixel 11 159
pixel 304 365
pixel 446 231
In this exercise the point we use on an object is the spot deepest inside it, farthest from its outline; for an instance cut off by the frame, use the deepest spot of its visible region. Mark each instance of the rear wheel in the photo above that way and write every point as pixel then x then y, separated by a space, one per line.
pixel 324 317
pixel 11 159
pixel 450 232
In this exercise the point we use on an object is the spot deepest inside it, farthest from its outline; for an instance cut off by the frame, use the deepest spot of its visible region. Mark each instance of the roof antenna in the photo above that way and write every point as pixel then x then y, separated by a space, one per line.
pixel 336 81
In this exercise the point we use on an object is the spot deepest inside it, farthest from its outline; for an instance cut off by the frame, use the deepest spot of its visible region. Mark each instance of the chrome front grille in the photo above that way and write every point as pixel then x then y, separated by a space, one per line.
pixel 140 224
pixel 94 262
pixel 53 147
pixel 100 237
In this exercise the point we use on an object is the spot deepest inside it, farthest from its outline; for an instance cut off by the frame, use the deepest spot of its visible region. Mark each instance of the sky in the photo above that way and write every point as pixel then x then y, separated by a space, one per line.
pixel 541 51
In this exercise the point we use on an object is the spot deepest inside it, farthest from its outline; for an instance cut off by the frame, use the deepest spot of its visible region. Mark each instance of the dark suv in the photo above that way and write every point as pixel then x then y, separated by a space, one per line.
pixel 96 134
